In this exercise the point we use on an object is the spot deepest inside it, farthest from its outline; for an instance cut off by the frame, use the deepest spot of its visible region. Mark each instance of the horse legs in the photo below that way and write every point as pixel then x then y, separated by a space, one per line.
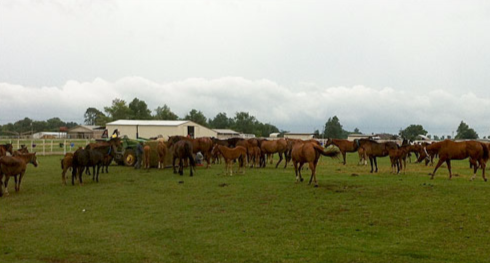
pixel 483 166
pixel 313 173
pixel 375 163
pixel 371 162
pixel 343 157
pixel 6 183
pixel 439 163
pixel 181 166
pixel 280 159
pixel 173 164
pixel 191 168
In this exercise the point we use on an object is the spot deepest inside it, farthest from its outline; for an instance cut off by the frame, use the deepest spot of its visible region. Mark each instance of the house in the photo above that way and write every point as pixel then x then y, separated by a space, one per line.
pixel 154 128
pixel 226 133
pixel 300 136
pixel 85 132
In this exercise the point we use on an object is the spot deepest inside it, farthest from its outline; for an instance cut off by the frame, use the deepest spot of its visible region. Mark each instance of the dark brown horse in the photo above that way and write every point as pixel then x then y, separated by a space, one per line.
pixel 345 146
pixel 15 166
pixel 66 163
pixel 450 150
pixel 203 145
pixel 182 150
pixel 373 149
pixel 230 155
pixel 4 148
pixel 307 152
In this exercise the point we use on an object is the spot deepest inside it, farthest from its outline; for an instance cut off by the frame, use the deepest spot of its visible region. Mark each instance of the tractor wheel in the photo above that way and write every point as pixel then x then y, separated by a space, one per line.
pixel 129 157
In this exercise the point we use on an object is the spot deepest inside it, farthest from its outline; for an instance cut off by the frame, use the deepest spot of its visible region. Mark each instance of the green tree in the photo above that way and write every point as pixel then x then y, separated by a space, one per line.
pixel 244 123
pixel 94 116
pixel 465 132
pixel 139 110
pixel 412 131
pixel 197 117
pixel 221 121
pixel 164 113
pixel 119 110
pixel 333 129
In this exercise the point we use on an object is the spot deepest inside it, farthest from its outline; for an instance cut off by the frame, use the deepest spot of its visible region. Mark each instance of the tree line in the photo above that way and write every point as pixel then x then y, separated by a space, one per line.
pixel 242 122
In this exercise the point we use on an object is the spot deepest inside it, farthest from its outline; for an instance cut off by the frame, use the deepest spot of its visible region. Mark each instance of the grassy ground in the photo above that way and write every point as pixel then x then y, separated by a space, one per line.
pixel 262 216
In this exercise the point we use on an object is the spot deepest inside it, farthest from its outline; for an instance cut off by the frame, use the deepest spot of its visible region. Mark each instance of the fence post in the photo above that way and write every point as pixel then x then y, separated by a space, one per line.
pixel 64 148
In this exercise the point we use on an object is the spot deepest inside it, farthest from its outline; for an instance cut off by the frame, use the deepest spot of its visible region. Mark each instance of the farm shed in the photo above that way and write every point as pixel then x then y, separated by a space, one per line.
pixel 154 128
pixel 300 136
pixel 226 133
pixel 85 132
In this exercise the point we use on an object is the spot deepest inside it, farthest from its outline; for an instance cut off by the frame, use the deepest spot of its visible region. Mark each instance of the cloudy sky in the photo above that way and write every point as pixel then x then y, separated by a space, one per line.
pixel 377 65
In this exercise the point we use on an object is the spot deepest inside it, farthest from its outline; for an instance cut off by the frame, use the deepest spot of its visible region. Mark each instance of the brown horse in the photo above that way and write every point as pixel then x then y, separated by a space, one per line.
pixel 162 152
pixel 15 166
pixel 66 163
pixel 182 150
pixel 373 149
pixel 344 146
pixel 203 145
pixel 279 146
pixel 450 150
pixel 230 155
pixel 307 152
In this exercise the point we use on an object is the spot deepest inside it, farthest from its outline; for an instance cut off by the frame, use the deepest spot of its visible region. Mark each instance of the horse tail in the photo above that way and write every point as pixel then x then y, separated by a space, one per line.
pixel 320 150
pixel 485 152
pixel 188 152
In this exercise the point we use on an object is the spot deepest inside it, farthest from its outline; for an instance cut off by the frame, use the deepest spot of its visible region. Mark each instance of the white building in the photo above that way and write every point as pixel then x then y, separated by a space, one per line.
pixel 155 128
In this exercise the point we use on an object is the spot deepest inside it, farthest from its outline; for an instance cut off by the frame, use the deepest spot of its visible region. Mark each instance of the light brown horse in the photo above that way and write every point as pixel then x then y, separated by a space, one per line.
pixel 373 149
pixel 162 153
pixel 202 144
pixel 450 150
pixel 279 146
pixel 230 155
pixel 307 152
pixel 15 166
pixel 66 163
pixel 345 146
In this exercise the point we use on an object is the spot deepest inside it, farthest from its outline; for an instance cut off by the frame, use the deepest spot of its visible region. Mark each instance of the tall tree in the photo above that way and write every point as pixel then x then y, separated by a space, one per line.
pixel 412 131
pixel 139 110
pixel 119 110
pixel 465 132
pixel 164 113
pixel 197 117
pixel 94 116
pixel 244 122
pixel 333 129
pixel 221 121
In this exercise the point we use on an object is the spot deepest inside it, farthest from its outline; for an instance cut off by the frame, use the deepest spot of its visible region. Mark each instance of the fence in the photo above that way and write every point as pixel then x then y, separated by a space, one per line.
pixel 48 146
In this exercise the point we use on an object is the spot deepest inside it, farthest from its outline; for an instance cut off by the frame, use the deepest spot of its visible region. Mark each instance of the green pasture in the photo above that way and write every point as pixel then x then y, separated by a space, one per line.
pixel 260 216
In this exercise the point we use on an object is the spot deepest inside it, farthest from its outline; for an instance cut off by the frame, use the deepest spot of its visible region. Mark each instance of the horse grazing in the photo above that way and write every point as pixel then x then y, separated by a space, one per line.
pixel 66 163
pixel 162 152
pixel 15 166
pixel 182 150
pixel 373 149
pixel 307 152
pixel 450 150
pixel 230 155
pixel 344 146
pixel 279 146
pixel 6 148
pixel 146 155
pixel 203 145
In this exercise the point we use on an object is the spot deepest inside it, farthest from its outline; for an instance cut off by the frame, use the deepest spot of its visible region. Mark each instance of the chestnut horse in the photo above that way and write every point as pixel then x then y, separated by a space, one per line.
pixel 345 146
pixel 66 163
pixel 450 150
pixel 230 155
pixel 203 145
pixel 307 152
pixel 15 166
pixel 182 150
pixel 146 155
pixel 373 149
pixel 279 146
pixel 162 152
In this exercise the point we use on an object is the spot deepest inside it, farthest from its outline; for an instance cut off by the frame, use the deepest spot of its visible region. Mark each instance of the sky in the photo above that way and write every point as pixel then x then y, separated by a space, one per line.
pixel 378 66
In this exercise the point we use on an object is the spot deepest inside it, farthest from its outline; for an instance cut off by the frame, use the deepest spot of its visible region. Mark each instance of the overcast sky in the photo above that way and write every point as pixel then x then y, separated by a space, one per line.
pixel 379 66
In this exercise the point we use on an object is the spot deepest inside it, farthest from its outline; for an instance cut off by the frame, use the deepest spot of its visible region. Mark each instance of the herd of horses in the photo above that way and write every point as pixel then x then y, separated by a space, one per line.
pixel 255 152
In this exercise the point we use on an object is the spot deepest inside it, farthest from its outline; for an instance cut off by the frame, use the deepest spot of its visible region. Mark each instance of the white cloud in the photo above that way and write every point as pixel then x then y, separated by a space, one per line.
pixel 295 109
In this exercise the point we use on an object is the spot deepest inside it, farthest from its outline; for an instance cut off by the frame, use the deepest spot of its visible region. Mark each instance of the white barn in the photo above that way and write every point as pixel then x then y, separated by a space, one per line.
pixel 154 128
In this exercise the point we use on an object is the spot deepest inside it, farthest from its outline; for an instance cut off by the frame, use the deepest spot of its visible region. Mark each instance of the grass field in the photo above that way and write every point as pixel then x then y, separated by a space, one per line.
pixel 262 216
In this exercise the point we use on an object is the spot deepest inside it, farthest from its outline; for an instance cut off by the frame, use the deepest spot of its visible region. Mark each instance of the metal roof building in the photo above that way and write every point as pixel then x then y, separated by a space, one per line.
pixel 155 128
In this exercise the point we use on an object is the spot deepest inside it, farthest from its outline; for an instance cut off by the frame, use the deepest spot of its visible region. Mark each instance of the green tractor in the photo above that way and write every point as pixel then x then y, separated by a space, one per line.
pixel 126 153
